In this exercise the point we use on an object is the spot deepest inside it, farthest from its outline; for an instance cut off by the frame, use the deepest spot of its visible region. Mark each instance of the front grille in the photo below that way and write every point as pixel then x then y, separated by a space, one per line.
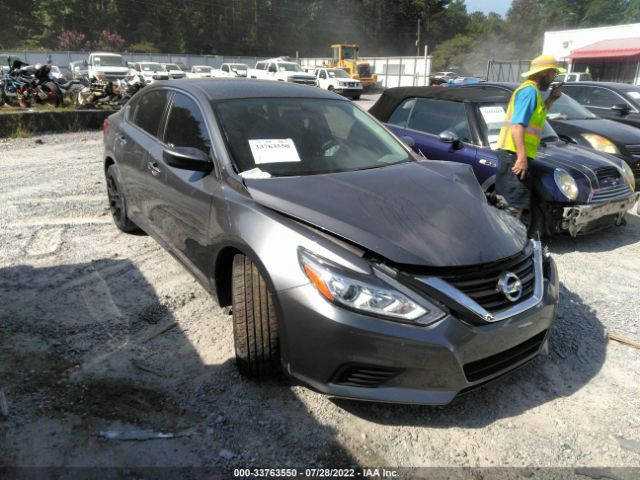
pixel 366 376
pixel 480 282
pixel 612 185
pixel 480 369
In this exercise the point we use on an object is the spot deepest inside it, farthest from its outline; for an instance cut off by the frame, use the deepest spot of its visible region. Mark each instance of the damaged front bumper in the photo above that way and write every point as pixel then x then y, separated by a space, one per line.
pixel 578 219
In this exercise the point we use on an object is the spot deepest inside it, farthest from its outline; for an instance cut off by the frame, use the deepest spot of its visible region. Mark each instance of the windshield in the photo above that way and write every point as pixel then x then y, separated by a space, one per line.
pixel 566 108
pixel 172 66
pixel 338 74
pixel 238 67
pixel 108 61
pixel 151 67
pixel 349 53
pixel 289 67
pixel 298 136
pixel 202 69
pixel 492 116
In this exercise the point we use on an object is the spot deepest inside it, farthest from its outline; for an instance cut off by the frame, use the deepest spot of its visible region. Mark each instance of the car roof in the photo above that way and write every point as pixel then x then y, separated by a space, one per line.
pixel 215 89
pixel 391 97
pixel 612 85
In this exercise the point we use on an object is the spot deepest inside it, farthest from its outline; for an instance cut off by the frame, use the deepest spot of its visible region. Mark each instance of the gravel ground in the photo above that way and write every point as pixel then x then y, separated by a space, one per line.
pixel 81 303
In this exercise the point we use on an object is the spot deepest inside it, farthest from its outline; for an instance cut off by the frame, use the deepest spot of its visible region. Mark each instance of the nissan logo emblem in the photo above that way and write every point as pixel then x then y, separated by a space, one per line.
pixel 510 285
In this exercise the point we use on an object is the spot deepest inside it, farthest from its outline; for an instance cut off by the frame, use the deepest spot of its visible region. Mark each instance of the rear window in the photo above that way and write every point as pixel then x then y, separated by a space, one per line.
pixel 149 110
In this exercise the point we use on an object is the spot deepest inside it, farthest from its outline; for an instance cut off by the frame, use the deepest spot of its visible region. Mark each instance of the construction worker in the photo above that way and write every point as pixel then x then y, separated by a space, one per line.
pixel 520 136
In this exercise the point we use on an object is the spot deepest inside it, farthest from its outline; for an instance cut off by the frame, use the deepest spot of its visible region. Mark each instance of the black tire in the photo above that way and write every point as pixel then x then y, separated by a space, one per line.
pixel 355 97
pixel 117 202
pixel 255 324
pixel 55 94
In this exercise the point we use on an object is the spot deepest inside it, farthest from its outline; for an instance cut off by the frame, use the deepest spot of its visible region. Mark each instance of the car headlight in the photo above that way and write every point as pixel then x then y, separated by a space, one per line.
pixel 566 183
pixel 600 143
pixel 365 293
pixel 343 84
pixel 628 175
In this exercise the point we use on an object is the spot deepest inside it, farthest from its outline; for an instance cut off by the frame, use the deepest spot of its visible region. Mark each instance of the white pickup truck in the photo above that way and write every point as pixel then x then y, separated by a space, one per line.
pixel 110 65
pixel 281 70
pixel 233 70
pixel 339 81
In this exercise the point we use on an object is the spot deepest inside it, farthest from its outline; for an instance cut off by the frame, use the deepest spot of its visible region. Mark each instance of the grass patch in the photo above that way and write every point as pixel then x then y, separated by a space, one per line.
pixel 20 132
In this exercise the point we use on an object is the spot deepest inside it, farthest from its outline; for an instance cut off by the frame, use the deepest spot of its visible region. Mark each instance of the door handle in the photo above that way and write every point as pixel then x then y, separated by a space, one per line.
pixel 153 168
pixel 122 138
pixel 488 163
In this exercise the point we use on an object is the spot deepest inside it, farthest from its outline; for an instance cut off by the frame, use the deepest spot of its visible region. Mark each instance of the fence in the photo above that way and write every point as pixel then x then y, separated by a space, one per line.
pixel 506 71
pixel 391 71
pixel 63 59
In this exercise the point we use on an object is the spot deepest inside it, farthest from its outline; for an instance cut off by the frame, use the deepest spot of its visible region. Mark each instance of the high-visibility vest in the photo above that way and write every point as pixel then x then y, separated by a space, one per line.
pixel 532 132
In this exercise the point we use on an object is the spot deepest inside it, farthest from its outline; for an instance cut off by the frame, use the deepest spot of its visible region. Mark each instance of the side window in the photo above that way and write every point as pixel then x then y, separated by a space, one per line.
pixel 576 92
pixel 600 97
pixel 260 66
pixel 400 116
pixel 186 126
pixel 435 116
pixel 225 68
pixel 149 111
pixel 130 107
pixel 272 68
pixel 572 77
pixel 323 74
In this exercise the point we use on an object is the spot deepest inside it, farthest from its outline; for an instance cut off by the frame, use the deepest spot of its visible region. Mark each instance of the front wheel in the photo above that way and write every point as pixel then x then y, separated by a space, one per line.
pixel 356 97
pixel 255 324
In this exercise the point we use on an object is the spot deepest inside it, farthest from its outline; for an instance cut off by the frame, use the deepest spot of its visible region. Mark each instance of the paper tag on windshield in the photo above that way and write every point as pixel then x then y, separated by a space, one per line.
pixel 274 151
pixel 635 95
pixel 255 173
pixel 493 114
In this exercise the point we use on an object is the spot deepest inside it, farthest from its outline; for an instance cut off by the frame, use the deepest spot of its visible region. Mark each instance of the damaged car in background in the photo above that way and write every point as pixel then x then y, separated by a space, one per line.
pixel 576 189
pixel 351 264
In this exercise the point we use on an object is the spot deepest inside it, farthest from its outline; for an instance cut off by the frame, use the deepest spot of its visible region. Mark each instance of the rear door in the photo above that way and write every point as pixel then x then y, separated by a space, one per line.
pixel 134 139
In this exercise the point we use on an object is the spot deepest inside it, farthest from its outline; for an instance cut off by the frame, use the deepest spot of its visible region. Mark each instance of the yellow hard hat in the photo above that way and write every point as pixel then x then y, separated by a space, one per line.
pixel 543 62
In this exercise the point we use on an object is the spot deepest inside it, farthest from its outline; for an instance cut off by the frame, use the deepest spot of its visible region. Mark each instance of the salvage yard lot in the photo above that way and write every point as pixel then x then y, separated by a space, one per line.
pixel 103 333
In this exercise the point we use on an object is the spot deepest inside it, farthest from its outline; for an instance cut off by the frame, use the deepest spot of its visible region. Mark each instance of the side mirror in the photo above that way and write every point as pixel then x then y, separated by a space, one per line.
pixel 408 141
pixel 85 63
pixel 449 137
pixel 621 108
pixel 187 158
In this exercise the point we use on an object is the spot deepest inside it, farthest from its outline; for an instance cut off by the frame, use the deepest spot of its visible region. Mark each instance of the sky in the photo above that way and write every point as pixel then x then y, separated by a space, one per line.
pixel 486 6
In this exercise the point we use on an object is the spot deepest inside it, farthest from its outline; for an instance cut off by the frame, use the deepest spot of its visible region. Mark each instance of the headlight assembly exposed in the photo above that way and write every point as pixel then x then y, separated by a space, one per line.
pixel 600 143
pixel 628 175
pixel 365 293
pixel 566 183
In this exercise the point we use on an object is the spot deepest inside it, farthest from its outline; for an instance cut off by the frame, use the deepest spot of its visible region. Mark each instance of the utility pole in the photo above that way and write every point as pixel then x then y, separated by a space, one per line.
pixel 418 38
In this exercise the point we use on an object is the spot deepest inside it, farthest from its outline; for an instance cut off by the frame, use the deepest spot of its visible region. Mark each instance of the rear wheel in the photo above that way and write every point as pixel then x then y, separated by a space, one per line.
pixel 255 325
pixel 356 97
pixel 117 202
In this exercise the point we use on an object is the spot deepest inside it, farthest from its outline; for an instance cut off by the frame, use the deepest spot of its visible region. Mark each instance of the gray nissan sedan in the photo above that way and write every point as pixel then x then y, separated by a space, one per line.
pixel 350 263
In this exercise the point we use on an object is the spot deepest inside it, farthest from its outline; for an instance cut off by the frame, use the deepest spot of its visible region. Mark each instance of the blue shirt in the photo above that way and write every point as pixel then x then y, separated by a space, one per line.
pixel 524 105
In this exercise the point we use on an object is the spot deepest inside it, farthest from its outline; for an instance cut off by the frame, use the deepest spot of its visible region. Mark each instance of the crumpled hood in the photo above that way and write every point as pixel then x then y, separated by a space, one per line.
pixel 424 213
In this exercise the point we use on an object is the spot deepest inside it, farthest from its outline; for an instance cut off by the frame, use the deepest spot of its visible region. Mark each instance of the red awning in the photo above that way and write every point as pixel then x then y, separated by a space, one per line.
pixel 619 47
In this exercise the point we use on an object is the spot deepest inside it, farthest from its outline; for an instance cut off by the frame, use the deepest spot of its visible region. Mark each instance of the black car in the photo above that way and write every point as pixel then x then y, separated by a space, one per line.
pixel 615 101
pixel 358 268
pixel 576 189
pixel 575 124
